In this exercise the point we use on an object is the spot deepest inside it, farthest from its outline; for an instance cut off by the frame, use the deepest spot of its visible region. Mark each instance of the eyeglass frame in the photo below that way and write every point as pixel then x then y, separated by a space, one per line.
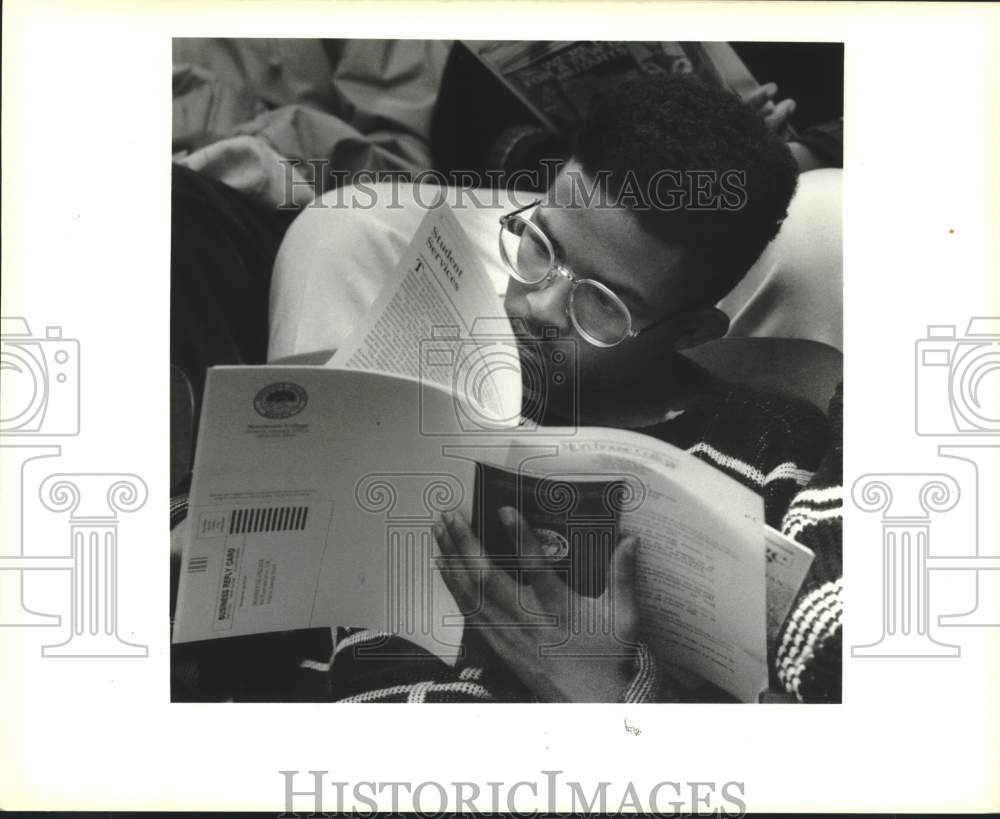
pixel 558 267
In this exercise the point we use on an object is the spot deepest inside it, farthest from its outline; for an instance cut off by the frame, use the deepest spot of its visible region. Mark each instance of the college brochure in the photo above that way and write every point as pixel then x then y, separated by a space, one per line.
pixel 315 490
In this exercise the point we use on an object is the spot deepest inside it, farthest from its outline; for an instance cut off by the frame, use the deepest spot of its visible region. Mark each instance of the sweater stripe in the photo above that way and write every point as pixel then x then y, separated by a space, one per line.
pixel 816 619
pixel 417 692
pixel 642 687
pixel 363 636
pixel 827 494
pixel 317 665
pixel 812 606
pixel 314 665
pixel 796 521
pixel 795 636
pixel 786 470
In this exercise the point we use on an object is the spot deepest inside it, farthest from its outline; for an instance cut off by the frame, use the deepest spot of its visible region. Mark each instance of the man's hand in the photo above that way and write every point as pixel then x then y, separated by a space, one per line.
pixel 775 115
pixel 519 620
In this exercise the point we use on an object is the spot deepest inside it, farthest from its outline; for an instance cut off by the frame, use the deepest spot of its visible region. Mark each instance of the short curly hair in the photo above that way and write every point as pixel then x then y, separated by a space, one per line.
pixel 659 136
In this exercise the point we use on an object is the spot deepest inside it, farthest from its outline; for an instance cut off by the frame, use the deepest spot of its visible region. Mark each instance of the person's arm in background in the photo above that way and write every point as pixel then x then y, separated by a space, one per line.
pixel 820 146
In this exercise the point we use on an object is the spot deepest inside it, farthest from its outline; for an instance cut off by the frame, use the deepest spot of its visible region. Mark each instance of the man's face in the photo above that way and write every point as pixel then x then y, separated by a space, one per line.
pixel 607 244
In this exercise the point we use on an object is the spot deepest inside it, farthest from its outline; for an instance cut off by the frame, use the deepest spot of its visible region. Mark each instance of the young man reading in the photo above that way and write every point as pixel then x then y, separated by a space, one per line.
pixel 674 190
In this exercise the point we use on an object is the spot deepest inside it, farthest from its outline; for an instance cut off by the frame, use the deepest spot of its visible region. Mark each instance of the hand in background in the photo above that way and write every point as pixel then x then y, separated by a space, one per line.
pixel 517 619
pixel 775 115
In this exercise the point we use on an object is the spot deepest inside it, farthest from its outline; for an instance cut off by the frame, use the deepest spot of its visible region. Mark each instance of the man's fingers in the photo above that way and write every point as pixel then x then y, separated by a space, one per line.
pixel 464 555
pixel 466 595
pixel 460 534
pixel 461 581
pixel 443 538
pixel 456 565
pixel 476 575
pixel 462 562
pixel 759 96
pixel 776 119
pixel 774 114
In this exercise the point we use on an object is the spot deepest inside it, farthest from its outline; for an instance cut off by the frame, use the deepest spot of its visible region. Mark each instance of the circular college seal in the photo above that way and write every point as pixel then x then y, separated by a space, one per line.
pixel 281 400
pixel 554 545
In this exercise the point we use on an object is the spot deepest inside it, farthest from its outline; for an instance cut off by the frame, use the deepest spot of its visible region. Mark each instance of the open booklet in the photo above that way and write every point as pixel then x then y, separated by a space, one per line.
pixel 315 490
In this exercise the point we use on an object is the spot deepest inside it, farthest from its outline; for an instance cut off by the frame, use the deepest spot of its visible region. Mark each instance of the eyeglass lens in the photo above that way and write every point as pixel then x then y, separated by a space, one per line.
pixel 594 310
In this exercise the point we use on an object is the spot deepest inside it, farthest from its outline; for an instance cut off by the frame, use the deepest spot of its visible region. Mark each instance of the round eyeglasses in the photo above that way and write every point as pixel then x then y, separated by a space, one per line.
pixel 597 313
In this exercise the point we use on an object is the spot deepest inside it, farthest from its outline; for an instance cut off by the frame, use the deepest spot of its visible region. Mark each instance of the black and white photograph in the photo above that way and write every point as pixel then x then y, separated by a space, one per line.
pixel 514 367
pixel 561 407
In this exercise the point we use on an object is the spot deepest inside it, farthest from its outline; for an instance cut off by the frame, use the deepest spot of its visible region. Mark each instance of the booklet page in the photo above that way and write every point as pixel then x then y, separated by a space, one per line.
pixel 701 563
pixel 312 503
pixel 438 319
pixel 787 565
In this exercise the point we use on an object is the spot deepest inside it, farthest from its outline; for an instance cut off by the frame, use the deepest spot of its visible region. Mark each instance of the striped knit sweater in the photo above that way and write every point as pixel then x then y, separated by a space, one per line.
pixel 779 448
pixel 808 657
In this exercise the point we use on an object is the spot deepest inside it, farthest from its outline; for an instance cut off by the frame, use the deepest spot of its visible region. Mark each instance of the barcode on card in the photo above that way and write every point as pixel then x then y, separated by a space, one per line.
pixel 197 564
pixel 268 519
